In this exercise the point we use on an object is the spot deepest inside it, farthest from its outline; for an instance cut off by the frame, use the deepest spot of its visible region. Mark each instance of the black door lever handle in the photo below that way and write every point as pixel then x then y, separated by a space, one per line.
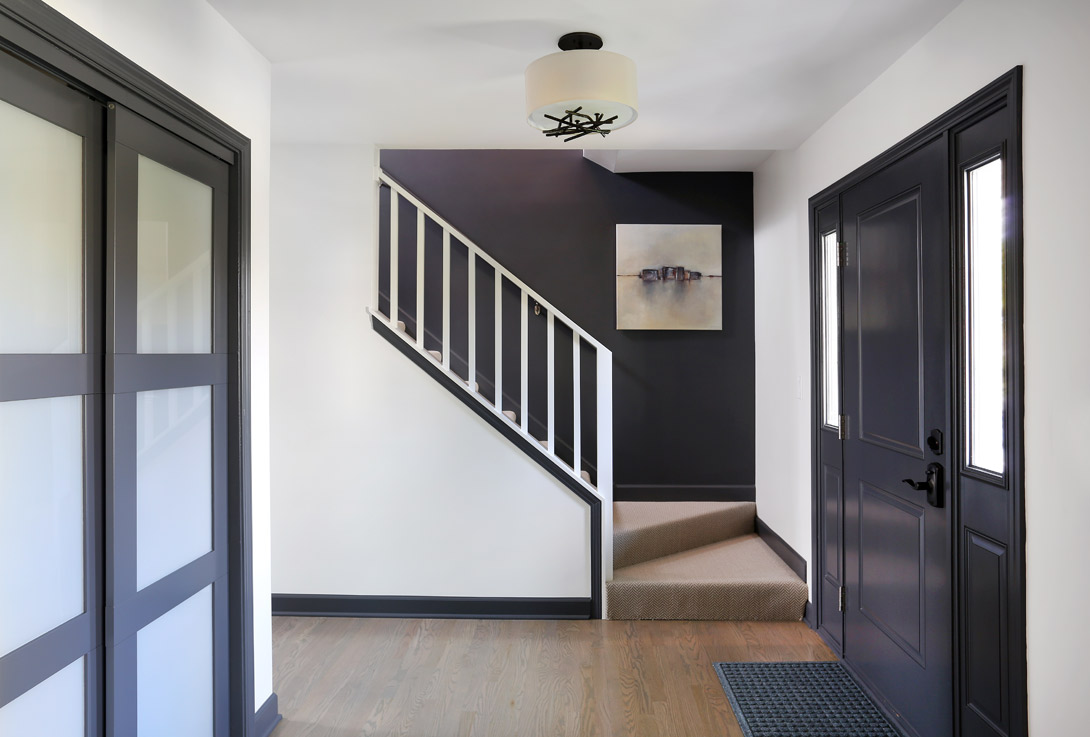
pixel 933 486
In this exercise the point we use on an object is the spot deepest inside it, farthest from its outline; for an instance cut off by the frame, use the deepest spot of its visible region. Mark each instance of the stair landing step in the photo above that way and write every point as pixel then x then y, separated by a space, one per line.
pixel 647 530
pixel 737 579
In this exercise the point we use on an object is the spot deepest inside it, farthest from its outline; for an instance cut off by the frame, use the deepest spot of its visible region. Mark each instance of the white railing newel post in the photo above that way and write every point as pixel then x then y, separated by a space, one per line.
pixel 604 414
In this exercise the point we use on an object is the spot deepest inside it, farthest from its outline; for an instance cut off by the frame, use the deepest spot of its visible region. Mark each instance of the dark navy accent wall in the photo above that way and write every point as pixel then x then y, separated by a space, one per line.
pixel 683 400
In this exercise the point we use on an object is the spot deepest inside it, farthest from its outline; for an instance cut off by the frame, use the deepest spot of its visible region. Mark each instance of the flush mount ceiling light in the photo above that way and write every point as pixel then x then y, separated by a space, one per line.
pixel 580 90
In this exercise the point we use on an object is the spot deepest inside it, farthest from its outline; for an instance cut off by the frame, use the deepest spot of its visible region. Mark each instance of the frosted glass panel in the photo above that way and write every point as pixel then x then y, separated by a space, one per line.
pixel 174 262
pixel 830 331
pixel 54 707
pixel 41 235
pixel 173 480
pixel 174 671
pixel 41 517
pixel 985 330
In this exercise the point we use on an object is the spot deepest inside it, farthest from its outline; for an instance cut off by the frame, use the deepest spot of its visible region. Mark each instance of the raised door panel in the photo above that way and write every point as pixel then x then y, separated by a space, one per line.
pixel 891 350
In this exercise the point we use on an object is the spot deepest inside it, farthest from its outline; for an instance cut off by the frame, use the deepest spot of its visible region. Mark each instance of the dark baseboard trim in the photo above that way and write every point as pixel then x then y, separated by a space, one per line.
pixel 528 447
pixel 795 561
pixel 684 493
pixel 267 717
pixel 430 607
pixel 808 616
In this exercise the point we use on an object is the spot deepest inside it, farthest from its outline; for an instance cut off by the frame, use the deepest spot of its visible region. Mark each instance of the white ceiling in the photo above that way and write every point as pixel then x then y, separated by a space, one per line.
pixel 730 75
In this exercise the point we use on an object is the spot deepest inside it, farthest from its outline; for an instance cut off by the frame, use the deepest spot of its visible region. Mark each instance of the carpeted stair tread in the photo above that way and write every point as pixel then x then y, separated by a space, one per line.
pixel 736 579
pixel 647 530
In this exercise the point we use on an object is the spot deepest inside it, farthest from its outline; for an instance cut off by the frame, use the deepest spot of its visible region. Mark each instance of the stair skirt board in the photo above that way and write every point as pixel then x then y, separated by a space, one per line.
pixel 736 579
pixel 787 553
pixel 431 607
pixel 515 436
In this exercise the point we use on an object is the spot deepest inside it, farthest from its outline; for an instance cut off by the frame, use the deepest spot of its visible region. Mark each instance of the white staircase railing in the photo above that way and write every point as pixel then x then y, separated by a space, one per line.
pixel 601 484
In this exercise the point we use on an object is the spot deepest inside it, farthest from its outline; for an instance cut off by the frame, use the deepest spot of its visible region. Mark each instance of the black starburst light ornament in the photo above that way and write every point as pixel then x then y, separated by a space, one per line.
pixel 576 124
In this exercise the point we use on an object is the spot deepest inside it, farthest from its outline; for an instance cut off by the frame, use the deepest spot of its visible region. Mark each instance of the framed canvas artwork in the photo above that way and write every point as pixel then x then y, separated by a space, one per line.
pixel 669 277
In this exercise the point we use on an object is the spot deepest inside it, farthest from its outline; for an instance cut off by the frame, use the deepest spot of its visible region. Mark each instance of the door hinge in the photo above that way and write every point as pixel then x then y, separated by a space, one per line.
pixel 842 429
pixel 842 253
pixel 843 604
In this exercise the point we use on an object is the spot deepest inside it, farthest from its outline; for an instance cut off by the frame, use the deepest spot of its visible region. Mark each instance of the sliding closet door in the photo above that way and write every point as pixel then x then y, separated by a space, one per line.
pixel 166 444
pixel 50 406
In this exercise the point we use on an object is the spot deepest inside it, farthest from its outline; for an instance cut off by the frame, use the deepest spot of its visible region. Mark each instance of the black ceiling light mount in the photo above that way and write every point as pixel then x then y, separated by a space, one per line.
pixel 580 40
pixel 581 89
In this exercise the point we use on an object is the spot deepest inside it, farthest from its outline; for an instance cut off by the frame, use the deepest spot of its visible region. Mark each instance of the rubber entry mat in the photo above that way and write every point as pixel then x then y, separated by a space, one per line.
pixel 800 700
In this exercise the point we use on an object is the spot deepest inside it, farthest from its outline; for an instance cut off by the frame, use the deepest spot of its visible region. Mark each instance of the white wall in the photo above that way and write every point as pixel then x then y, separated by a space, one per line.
pixel 976 43
pixel 384 483
pixel 192 48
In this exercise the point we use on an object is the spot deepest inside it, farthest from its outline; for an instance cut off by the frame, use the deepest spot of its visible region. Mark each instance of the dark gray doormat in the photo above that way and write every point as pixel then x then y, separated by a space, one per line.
pixel 800 700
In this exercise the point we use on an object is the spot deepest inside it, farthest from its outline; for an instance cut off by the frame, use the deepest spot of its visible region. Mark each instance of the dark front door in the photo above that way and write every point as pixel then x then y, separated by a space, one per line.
pixel 897 398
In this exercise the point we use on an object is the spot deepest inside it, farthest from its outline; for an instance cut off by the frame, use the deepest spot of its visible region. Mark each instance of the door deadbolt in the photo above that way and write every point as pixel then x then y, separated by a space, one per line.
pixel 934 441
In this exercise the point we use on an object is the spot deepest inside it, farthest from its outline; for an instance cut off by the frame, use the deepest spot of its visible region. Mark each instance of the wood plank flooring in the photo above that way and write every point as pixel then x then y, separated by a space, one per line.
pixel 343 677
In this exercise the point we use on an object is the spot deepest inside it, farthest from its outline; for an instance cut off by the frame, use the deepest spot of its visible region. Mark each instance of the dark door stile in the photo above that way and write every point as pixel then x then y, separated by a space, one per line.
pixel 128 372
pixel 36 376
pixel 969 607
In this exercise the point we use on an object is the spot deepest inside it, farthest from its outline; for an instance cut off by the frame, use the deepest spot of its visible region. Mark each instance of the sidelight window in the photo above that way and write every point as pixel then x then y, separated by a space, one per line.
pixel 985 364
pixel 830 331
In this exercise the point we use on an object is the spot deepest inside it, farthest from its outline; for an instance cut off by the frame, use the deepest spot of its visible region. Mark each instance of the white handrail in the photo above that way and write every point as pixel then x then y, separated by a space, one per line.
pixel 603 486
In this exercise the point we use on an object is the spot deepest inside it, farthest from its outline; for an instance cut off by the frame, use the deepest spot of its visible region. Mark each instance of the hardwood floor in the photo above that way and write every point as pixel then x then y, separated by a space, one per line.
pixel 435 677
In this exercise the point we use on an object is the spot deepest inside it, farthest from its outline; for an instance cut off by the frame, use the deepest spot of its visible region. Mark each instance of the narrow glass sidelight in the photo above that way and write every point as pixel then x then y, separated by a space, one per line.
pixel 830 331
pixel 985 365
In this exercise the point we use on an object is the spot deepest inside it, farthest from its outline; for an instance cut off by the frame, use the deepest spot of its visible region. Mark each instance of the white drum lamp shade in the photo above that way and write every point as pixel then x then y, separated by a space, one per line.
pixel 599 82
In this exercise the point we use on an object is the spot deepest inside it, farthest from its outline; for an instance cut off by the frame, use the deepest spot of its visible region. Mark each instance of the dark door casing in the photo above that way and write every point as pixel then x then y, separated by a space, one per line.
pixel 934 622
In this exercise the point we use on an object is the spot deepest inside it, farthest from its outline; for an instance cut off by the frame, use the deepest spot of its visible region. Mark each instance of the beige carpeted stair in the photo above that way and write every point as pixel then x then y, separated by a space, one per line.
pixel 697 560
